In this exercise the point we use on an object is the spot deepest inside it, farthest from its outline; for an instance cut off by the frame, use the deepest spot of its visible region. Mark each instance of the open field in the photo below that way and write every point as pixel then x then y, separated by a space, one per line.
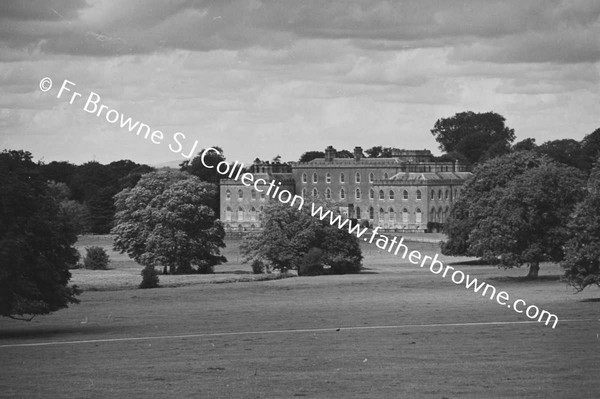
pixel 394 331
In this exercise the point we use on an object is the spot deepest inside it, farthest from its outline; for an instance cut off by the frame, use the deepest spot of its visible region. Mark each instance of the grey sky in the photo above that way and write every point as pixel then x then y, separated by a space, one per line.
pixel 261 78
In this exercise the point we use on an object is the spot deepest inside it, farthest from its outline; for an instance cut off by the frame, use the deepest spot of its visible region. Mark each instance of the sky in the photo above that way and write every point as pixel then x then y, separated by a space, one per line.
pixel 266 78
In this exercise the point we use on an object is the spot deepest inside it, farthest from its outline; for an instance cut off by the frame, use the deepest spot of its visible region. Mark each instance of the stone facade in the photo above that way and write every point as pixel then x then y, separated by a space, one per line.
pixel 401 193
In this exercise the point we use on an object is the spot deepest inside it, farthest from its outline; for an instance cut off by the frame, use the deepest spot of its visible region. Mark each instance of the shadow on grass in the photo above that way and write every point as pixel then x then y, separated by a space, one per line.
pixel 474 262
pixel 525 279
pixel 590 300
pixel 52 332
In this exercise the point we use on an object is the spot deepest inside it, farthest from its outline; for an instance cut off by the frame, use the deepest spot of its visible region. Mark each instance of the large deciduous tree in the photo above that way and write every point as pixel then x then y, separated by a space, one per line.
pixel 514 211
pixel 477 136
pixel 289 235
pixel 166 220
pixel 36 242
pixel 582 252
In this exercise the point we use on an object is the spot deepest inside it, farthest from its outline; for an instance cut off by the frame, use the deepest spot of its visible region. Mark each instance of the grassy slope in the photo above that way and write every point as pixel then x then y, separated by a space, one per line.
pixel 484 361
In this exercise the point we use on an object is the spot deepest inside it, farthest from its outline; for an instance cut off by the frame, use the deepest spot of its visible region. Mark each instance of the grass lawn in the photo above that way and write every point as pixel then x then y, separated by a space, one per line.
pixel 393 331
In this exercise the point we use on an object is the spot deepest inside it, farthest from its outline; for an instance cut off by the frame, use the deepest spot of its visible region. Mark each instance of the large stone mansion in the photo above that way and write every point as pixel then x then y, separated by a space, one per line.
pixel 401 193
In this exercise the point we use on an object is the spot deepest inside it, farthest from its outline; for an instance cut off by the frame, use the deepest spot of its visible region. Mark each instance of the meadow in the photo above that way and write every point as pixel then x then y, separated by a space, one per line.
pixel 393 331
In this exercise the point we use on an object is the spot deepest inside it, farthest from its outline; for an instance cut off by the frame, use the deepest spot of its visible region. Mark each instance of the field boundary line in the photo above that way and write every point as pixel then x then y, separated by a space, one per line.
pixel 265 332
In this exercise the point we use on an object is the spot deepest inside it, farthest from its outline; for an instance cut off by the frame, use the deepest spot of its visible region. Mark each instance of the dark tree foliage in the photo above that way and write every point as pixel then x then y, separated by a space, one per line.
pixel 165 221
pixel 380 152
pixel 290 234
pixel 477 136
pixel 590 147
pixel 310 155
pixel 344 154
pixel 209 175
pixel 527 144
pixel 60 172
pixel 195 166
pixel 582 252
pixel 565 151
pixel 514 210
pixel 36 242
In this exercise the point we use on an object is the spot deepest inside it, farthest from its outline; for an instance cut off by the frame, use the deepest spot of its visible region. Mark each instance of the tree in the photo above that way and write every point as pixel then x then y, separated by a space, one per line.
pixel 165 220
pixel 582 251
pixel 289 235
pixel 527 144
pixel 590 147
pixel 565 151
pixel 36 242
pixel 310 155
pixel 380 152
pixel 478 136
pixel 210 175
pixel 514 210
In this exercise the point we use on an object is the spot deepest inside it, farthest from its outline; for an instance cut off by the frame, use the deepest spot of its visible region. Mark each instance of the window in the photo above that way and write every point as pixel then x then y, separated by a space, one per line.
pixel 228 213
pixel 342 194
pixel 440 194
pixel 381 195
pixel 253 193
pixel 371 213
pixel 440 214
pixel 240 194
pixel 260 213
pixel 228 195
pixel 315 179
pixel 381 214
pixel 357 193
pixel 357 177
pixel 328 193
pixel 358 212
pixel 371 177
pixel 342 178
pixel 432 194
pixel 418 194
pixel 253 214
pixel 371 194
pixel 447 195
pixel 405 194
pixel 404 215
pixel 303 193
pixel 328 178
pixel 315 193
pixel 391 194
pixel 418 216
pixel 432 217
pixel 304 180
pixel 263 196
pixel 385 176
pixel 240 213
pixel 392 215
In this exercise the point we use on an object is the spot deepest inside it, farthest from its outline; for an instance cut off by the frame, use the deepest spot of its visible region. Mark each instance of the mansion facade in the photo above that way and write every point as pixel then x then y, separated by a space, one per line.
pixel 402 193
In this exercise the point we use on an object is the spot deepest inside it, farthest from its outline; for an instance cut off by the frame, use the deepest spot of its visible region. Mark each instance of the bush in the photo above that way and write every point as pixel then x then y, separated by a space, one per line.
pixel 258 266
pixel 345 266
pixel 149 277
pixel 311 263
pixel 96 258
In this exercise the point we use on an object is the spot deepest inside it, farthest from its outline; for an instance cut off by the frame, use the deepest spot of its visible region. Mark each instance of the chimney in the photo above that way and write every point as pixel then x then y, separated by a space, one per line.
pixel 329 154
pixel 358 153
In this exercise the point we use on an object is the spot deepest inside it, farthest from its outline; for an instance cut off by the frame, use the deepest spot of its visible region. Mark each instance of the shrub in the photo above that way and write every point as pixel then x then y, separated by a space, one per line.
pixel 149 277
pixel 345 266
pixel 96 258
pixel 258 266
pixel 311 263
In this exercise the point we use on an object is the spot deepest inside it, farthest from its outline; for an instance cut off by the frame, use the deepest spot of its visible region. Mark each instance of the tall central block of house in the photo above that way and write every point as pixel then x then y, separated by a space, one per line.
pixel 405 192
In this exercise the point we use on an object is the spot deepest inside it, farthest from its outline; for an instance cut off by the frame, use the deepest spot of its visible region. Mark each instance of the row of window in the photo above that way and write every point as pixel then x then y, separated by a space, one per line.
pixel 357 177
pixel 388 215
pixel 241 195
pixel 357 194
pixel 391 194
pixel 241 214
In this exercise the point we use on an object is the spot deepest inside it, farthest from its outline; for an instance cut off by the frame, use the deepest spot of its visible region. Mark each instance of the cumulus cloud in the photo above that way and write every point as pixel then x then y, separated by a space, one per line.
pixel 266 77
